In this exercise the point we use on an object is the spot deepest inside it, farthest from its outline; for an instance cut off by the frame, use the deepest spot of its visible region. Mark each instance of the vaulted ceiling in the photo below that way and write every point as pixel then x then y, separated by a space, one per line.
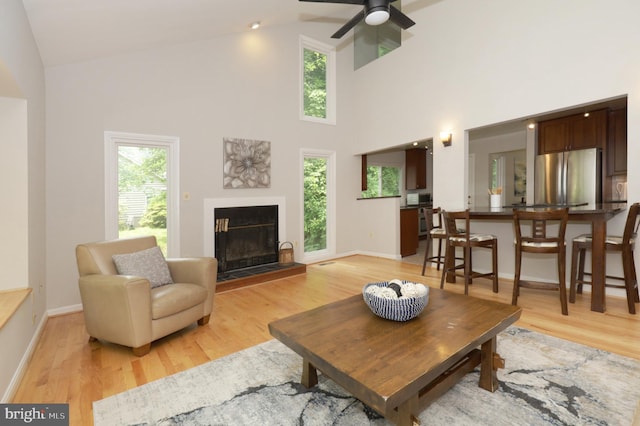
pixel 68 31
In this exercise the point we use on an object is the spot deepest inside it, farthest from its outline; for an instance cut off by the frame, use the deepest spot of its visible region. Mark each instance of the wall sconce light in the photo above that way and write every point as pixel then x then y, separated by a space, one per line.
pixel 445 137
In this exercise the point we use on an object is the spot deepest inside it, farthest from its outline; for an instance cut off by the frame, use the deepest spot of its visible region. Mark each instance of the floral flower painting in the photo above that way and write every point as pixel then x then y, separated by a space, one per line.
pixel 247 163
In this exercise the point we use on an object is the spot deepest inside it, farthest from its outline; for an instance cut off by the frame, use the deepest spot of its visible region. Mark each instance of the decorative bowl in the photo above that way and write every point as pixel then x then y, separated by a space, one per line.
pixel 401 309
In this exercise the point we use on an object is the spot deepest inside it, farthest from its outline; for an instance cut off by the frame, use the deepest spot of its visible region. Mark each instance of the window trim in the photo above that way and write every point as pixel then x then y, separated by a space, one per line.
pixel 172 143
pixel 330 52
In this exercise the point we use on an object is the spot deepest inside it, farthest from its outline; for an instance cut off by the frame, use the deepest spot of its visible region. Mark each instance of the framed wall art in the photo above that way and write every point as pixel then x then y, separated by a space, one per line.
pixel 247 163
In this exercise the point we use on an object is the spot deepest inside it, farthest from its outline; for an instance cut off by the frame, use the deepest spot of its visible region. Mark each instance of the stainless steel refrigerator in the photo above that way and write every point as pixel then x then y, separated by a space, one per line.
pixel 569 178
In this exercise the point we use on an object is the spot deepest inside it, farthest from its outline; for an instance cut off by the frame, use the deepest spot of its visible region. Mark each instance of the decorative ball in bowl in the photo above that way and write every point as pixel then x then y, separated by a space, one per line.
pixel 396 300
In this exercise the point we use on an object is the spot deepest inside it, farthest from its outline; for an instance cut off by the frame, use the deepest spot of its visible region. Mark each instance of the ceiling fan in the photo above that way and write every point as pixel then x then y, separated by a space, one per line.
pixel 375 12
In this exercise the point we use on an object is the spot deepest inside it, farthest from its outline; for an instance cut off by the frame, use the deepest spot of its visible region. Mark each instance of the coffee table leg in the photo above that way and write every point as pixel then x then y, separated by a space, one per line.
pixel 490 362
pixel 309 374
pixel 405 413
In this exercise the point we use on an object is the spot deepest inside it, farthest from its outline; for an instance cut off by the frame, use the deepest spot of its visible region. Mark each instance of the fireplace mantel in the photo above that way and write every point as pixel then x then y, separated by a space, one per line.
pixel 210 204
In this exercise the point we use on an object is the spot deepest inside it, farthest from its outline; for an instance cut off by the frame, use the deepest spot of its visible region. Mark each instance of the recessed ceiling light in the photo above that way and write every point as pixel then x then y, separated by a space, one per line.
pixel 255 25
pixel 586 114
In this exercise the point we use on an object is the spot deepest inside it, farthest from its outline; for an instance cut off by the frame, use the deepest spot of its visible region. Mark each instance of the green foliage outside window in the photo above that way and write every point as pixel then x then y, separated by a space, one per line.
pixel 156 214
pixel 138 167
pixel 382 181
pixel 315 204
pixel 143 170
pixel 315 84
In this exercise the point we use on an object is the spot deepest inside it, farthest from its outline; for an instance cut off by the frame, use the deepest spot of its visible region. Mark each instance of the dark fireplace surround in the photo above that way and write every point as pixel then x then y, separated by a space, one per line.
pixel 245 236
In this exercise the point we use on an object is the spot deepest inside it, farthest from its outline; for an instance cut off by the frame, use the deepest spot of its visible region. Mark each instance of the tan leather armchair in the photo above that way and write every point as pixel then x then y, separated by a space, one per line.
pixel 126 310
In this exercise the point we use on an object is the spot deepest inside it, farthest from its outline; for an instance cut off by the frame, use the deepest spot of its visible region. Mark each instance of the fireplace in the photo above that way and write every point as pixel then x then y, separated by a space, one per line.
pixel 245 236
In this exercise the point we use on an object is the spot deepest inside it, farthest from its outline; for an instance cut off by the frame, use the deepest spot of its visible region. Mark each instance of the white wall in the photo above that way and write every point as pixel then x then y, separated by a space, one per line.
pixel 378 227
pixel 243 86
pixel 468 64
pixel 22 77
pixel 14 168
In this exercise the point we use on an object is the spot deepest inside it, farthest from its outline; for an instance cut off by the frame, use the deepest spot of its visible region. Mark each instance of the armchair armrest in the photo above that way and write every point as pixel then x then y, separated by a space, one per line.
pixel 117 308
pixel 198 270
pixel 202 271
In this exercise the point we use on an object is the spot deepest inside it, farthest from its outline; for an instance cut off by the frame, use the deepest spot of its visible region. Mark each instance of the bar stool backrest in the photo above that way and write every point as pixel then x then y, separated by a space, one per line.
pixel 451 227
pixel 631 226
pixel 428 218
pixel 539 239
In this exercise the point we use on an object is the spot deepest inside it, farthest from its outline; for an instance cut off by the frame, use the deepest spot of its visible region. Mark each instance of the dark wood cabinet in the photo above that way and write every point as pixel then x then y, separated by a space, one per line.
pixel 408 232
pixel 416 168
pixel 573 132
pixel 363 173
pixel 617 142
pixel 553 135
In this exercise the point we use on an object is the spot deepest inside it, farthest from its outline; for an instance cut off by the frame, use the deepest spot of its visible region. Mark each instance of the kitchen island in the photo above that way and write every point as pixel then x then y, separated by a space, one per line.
pixel 597 215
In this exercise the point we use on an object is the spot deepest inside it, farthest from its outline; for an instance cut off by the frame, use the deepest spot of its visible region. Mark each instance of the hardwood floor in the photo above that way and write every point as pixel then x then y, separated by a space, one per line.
pixel 66 368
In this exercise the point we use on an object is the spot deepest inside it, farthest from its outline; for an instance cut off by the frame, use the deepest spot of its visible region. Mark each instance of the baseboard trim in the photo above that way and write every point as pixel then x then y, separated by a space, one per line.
pixel 71 309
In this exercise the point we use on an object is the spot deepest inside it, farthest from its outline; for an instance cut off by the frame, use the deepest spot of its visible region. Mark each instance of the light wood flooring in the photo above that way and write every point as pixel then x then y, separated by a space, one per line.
pixel 67 368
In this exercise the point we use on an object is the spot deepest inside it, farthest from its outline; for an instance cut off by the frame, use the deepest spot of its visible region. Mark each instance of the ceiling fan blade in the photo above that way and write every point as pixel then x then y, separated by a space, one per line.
pixel 399 18
pixel 349 25
pixel 360 2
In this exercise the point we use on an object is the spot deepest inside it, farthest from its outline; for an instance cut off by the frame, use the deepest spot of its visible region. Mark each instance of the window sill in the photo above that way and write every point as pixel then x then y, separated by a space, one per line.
pixel 10 301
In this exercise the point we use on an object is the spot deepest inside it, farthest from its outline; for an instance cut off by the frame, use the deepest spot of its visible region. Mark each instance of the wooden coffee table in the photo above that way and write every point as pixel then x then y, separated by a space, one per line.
pixel 399 368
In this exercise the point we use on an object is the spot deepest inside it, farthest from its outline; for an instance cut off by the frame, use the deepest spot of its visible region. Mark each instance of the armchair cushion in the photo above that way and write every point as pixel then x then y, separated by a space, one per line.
pixel 149 264
pixel 169 299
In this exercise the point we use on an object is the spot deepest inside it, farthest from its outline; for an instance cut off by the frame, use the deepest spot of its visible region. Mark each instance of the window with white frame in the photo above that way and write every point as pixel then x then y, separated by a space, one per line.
pixel 318 207
pixel 317 77
pixel 141 188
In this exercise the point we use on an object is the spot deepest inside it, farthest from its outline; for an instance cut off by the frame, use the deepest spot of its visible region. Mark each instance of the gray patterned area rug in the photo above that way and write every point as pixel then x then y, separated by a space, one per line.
pixel 547 381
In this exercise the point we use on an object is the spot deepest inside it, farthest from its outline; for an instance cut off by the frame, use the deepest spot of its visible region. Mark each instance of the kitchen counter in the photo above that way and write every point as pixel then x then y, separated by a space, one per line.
pixel 575 212
pixel 597 215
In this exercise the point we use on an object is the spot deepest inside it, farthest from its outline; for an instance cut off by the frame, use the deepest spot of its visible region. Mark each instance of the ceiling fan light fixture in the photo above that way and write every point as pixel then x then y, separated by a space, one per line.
pixel 377 17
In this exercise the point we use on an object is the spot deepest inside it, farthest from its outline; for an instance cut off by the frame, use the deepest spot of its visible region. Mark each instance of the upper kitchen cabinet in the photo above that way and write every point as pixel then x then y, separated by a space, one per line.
pixel 578 131
pixel 416 168
pixel 617 143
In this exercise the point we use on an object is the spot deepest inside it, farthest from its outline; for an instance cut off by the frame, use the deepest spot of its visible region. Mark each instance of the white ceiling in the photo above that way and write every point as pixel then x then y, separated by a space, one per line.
pixel 68 31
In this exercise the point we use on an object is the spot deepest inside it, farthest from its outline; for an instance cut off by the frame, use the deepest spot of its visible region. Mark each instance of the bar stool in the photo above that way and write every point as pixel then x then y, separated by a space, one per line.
pixel 435 231
pixel 536 240
pixel 463 237
pixel 623 245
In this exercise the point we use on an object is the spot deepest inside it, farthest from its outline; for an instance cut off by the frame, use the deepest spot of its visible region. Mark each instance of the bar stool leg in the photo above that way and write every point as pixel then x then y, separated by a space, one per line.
pixel 629 279
pixel 582 252
pixel 516 277
pixel 562 285
pixel 448 251
pixel 467 269
pixel 574 271
pixel 634 280
pixel 494 255
pixel 426 252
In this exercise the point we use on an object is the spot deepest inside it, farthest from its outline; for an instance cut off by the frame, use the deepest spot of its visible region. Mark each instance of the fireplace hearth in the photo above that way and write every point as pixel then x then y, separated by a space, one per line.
pixel 245 237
